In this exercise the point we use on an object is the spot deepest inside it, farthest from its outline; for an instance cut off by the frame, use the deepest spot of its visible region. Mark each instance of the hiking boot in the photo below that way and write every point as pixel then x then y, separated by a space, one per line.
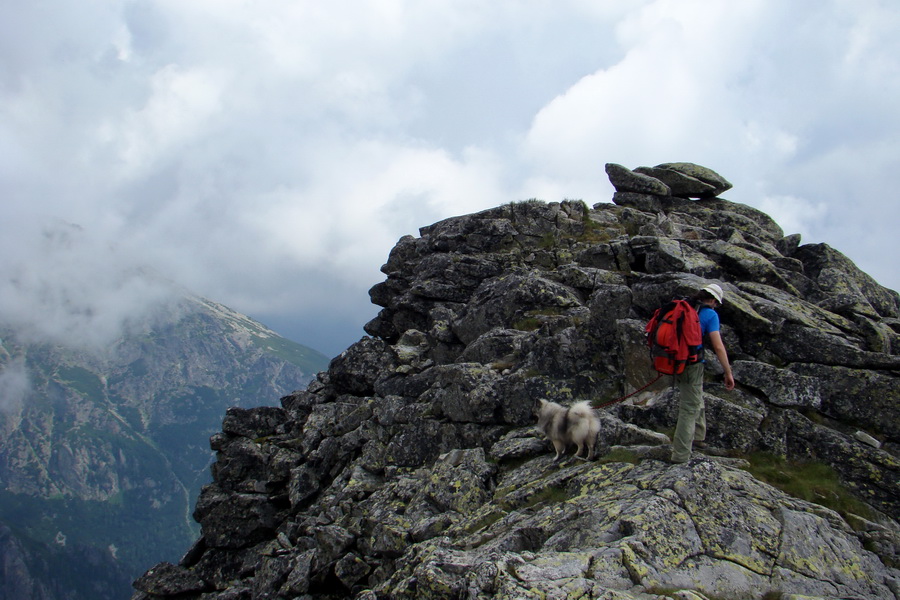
pixel 699 444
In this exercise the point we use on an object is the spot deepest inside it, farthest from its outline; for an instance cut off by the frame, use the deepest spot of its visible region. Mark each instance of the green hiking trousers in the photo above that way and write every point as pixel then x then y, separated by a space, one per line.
pixel 691 412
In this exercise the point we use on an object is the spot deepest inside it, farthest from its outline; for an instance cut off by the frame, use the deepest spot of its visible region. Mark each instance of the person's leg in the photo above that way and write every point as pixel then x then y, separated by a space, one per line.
pixel 700 426
pixel 690 405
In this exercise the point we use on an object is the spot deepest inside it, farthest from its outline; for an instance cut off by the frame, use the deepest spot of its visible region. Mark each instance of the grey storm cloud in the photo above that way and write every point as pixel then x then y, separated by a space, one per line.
pixel 269 154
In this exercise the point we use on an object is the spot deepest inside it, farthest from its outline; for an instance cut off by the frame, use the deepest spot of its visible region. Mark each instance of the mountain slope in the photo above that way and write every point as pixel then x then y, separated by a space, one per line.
pixel 412 469
pixel 103 449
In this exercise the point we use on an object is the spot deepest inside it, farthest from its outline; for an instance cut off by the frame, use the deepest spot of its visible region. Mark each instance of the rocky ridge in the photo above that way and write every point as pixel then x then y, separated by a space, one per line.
pixel 411 467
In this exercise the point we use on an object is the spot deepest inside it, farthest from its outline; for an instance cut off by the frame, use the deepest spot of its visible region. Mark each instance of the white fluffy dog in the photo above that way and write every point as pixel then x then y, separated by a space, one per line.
pixel 577 424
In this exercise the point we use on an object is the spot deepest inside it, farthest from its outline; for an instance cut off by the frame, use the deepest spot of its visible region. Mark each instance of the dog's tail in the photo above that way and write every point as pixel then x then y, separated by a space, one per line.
pixel 584 410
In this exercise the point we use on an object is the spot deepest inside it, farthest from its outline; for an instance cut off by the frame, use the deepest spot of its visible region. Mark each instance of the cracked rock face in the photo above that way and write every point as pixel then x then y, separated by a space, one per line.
pixel 697 526
pixel 412 468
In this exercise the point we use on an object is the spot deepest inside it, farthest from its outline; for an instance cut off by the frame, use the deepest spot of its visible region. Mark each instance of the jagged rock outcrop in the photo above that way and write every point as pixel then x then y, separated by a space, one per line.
pixel 411 468
pixel 682 180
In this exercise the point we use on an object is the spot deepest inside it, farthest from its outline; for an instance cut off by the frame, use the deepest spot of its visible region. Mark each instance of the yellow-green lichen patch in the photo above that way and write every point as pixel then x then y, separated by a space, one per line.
pixel 663 529
pixel 554 567
pixel 517 492
pixel 391 536
pixel 480 520
pixel 746 534
pixel 603 477
pixel 433 583
pixel 812 548
pixel 638 569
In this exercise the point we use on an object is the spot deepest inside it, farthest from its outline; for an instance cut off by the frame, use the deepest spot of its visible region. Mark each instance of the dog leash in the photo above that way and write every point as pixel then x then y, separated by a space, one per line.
pixel 627 396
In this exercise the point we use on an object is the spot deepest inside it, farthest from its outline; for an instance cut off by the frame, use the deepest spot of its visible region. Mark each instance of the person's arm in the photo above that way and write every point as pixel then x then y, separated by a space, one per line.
pixel 715 339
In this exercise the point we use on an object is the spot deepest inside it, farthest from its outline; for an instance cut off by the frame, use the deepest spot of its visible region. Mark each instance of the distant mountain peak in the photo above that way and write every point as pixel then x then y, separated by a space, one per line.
pixel 105 446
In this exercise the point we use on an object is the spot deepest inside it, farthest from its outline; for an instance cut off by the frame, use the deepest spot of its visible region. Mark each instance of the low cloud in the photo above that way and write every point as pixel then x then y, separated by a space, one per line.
pixel 268 156
pixel 65 288
pixel 15 384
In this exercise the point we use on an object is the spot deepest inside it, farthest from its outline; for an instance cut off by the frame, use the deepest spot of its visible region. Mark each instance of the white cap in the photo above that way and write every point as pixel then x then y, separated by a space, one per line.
pixel 715 291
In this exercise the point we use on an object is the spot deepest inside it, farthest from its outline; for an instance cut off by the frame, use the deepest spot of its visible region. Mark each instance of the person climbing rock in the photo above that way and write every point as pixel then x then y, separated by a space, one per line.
pixel 690 430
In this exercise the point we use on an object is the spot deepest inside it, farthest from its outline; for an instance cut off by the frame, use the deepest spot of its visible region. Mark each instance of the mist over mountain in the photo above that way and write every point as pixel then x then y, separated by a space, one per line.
pixel 104 438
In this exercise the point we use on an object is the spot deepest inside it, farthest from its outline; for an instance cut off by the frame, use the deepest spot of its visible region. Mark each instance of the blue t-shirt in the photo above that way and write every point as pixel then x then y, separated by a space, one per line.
pixel 709 322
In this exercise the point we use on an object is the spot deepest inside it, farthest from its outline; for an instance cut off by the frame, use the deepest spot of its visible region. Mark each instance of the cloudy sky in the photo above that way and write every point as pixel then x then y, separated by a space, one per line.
pixel 267 154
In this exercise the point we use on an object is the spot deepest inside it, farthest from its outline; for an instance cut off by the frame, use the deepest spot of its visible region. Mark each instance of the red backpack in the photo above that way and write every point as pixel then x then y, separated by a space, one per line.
pixel 674 337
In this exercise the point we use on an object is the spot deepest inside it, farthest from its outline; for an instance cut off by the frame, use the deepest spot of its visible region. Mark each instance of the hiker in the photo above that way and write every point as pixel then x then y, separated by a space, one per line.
pixel 690 431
